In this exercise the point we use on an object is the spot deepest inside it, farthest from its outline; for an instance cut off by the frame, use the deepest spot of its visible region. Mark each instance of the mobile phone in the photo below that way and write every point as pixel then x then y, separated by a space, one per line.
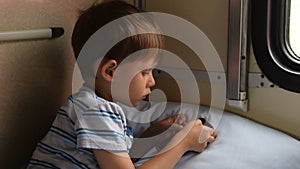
pixel 204 122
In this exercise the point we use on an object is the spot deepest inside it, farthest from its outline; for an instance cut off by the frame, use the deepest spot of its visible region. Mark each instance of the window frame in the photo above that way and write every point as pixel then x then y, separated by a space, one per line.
pixel 270 42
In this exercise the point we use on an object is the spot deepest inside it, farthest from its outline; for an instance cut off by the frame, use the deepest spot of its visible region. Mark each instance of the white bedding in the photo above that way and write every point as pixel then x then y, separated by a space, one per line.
pixel 244 144
pixel 241 143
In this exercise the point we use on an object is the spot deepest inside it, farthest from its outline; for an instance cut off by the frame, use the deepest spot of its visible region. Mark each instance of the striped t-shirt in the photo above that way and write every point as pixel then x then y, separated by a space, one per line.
pixel 84 123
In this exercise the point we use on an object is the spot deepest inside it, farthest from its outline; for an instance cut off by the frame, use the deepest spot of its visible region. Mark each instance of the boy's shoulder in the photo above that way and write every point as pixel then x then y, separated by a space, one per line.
pixel 87 99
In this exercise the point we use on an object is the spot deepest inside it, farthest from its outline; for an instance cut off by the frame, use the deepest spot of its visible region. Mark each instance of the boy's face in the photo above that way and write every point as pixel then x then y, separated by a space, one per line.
pixel 140 85
pixel 133 80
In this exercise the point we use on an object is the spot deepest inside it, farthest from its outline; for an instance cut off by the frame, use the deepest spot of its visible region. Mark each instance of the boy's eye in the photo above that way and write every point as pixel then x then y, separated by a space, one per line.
pixel 146 72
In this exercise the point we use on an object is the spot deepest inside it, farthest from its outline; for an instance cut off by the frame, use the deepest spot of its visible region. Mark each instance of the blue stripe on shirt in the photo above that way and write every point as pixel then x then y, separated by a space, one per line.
pixel 87 151
pixel 115 137
pixel 64 135
pixel 80 104
pixel 118 120
pixel 63 113
pixel 35 162
pixel 100 99
pixel 101 131
pixel 64 132
pixel 113 114
pixel 63 154
pixel 91 119
pixel 70 99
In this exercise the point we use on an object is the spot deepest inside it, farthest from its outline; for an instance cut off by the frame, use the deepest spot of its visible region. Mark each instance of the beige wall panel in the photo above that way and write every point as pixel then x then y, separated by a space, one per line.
pixel 35 75
pixel 274 107
pixel 209 16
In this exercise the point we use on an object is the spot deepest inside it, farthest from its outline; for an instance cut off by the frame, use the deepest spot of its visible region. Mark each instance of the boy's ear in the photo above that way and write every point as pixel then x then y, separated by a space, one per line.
pixel 107 70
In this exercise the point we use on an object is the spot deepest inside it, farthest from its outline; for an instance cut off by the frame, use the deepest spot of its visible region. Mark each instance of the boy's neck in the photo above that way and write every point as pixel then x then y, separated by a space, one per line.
pixel 100 87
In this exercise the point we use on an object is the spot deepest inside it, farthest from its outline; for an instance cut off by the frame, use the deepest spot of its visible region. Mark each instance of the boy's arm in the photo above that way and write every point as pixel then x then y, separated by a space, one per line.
pixel 185 140
pixel 141 146
pixel 109 160
pixel 167 159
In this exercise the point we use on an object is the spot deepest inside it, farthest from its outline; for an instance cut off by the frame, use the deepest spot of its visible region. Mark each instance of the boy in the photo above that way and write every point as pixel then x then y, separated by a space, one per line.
pixel 90 130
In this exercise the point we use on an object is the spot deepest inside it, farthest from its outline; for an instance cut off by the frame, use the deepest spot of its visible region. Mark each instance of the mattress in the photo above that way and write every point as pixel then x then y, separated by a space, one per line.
pixel 241 143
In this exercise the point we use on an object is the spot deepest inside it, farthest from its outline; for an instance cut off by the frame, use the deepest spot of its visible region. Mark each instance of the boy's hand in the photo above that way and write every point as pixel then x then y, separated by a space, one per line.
pixel 199 136
pixel 194 136
pixel 160 135
pixel 177 122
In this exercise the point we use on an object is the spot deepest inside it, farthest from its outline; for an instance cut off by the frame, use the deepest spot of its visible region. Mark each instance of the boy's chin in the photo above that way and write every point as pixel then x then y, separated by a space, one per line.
pixel 132 103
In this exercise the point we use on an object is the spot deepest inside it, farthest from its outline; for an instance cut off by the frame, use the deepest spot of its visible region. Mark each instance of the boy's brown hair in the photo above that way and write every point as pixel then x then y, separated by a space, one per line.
pixel 101 14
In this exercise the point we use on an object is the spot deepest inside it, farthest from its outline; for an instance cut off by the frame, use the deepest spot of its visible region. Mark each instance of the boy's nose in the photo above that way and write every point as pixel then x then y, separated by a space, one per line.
pixel 151 81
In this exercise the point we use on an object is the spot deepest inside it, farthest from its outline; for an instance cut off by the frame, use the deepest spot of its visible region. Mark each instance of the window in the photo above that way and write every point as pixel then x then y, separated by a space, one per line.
pixel 294 28
pixel 275 49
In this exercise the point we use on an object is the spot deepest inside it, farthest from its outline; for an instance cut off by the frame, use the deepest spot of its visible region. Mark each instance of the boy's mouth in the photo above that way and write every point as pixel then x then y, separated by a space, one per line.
pixel 145 96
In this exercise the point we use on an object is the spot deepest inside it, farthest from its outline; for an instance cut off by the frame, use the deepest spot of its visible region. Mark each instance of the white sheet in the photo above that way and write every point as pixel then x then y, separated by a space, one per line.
pixel 244 144
pixel 241 144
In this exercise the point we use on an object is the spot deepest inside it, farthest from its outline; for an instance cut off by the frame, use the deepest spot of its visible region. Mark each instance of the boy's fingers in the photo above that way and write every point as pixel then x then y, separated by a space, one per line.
pixel 215 133
pixel 208 134
pixel 177 127
pixel 181 119
pixel 211 139
pixel 198 122
pixel 171 119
